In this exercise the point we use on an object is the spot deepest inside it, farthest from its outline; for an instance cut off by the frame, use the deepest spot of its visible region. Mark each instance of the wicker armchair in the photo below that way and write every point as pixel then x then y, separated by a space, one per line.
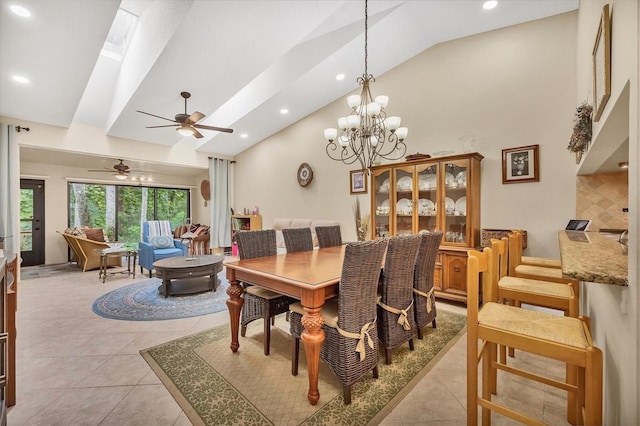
pixel 424 299
pixel 260 303
pixel 329 236
pixel 297 239
pixel 350 347
pixel 396 320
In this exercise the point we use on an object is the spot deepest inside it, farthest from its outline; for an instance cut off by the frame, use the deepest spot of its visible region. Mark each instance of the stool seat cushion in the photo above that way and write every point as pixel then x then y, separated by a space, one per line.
pixel 535 286
pixel 329 311
pixel 547 262
pixel 262 292
pixel 539 271
pixel 539 325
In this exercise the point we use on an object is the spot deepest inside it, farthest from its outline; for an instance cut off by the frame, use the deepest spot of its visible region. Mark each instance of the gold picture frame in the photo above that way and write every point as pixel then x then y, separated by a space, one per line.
pixel 521 164
pixel 358 181
pixel 602 64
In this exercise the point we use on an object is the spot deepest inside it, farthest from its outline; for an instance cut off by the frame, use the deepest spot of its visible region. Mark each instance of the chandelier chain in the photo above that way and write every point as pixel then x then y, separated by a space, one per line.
pixel 366 38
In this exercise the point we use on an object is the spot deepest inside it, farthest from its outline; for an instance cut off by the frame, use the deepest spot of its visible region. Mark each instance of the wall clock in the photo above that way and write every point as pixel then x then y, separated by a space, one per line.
pixel 305 174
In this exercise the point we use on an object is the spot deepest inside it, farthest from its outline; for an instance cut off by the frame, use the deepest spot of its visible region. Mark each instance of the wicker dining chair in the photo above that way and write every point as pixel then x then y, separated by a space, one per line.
pixel 260 303
pixel 396 319
pixel 424 298
pixel 329 236
pixel 297 239
pixel 350 348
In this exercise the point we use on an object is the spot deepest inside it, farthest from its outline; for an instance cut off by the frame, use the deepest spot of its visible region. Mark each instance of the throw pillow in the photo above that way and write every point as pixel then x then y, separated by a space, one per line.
pixel 95 234
pixel 161 241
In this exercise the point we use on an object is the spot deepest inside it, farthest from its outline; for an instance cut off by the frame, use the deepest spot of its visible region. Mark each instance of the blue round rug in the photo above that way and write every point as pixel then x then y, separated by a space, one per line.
pixel 143 302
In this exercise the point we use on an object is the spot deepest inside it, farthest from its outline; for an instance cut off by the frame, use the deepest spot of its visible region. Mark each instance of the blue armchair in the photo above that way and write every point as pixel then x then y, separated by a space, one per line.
pixel 155 245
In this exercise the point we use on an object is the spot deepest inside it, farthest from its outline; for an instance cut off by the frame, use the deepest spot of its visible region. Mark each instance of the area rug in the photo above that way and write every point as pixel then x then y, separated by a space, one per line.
pixel 214 386
pixel 143 302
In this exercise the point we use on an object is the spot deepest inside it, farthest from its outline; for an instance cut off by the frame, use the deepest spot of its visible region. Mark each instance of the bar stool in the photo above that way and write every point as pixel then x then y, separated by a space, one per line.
pixel 545 262
pixel 561 338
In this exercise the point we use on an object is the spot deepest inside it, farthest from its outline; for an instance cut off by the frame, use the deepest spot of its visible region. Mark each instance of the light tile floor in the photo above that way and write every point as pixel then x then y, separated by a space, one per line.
pixel 76 368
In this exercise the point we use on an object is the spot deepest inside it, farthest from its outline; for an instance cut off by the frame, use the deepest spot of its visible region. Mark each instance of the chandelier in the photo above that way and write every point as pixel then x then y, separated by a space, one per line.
pixel 366 134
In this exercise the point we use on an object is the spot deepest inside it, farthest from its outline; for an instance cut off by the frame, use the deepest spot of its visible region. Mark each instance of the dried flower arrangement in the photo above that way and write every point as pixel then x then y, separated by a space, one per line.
pixel 362 222
pixel 581 136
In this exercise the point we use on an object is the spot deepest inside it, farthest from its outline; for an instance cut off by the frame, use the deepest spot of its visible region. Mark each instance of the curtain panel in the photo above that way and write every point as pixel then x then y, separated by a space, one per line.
pixel 220 232
pixel 9 189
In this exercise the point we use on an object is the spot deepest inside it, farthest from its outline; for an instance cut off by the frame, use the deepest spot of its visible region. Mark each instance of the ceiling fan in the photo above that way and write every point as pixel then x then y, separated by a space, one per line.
pixel 120 170
pixel 186 124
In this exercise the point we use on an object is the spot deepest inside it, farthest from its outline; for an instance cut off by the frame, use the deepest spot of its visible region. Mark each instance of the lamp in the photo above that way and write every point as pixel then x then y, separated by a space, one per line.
pixel 185 130
pixel 366 134
pixel 120 176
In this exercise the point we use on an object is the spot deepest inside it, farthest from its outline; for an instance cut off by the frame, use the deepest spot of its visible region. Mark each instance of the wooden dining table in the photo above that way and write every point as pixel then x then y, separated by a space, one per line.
pixel 311 276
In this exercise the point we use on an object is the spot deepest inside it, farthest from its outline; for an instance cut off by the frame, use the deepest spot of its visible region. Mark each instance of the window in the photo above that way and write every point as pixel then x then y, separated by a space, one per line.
pixel 121 209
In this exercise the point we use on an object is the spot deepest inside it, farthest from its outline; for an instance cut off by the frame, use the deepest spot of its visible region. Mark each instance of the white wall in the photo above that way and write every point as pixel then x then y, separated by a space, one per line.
pixel 510 87
pixel 615 310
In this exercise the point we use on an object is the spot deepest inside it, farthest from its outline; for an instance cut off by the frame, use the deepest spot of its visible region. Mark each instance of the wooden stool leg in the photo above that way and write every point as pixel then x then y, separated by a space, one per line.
pixel 487 380
pixel 574 398
pixel 593 387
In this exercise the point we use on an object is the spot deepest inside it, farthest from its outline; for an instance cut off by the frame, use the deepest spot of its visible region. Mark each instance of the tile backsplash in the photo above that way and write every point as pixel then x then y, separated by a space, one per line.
pixel 601 198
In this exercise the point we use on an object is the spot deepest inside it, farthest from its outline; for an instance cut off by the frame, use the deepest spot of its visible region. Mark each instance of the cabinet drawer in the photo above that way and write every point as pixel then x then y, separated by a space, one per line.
pixel 455 273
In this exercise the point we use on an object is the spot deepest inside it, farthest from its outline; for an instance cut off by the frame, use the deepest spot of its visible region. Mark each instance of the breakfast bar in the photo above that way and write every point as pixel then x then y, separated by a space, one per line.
pixel 593 257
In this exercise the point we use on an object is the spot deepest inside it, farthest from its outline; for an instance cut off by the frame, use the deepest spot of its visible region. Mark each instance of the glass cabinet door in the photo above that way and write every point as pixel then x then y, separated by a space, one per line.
pixel 381 187
pixel 404 199
pixel 427 200
pixel 455 202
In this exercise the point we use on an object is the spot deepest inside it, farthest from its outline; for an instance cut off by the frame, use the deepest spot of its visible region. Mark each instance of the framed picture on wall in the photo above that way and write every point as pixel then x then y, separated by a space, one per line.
pixel 520 164
pixel 602 64
pixel 358 180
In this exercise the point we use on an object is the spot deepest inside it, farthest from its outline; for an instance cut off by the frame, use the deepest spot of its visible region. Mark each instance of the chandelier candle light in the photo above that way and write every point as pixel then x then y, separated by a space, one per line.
pixel 367 134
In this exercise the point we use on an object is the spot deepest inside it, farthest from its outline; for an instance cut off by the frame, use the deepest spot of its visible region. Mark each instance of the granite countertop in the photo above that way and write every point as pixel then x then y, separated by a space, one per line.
pixel 593 257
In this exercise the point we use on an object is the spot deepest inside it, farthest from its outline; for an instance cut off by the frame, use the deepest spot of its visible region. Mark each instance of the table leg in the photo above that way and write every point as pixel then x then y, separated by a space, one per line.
pixel 234 304
pixel 128 264
pixel 135 257
pixel 166 285
pixel 312 337
pixel 103 267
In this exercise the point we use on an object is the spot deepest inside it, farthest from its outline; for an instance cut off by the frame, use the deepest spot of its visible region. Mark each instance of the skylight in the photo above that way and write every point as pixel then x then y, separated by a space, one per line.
pixel 120 35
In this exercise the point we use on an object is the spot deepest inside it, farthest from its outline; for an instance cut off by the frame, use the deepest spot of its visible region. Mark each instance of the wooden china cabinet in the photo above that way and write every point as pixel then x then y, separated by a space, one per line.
pixel 436 194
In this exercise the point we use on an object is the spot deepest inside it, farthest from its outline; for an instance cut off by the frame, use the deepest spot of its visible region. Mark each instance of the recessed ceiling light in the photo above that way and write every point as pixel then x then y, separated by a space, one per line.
pixel 340 77
pixel 284 111
pixel 487 5
pixel 624 165
pixel 20 11
pixel 20 79
pixel 244 135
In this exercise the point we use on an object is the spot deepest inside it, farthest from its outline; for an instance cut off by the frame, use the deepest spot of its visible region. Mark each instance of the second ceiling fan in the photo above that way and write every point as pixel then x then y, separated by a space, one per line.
pixel 186 124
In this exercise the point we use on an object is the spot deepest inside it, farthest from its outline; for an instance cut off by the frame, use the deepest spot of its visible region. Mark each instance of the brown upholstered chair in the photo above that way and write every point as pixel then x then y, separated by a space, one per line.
pixel 297 239
pixel 396 319
pixel 424 299
pixel 260 303
pixel 350 348
pixel 329 236
pixel 565 339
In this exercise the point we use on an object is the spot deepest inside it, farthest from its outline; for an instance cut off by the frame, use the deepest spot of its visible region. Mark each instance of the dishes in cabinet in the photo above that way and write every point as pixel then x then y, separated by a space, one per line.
pixel 383 208
pixel 461 206
pixel 462 178
pixel 426 182
pixel 426 207
pixel 449 205
pixel 404 207
pixel 404 183
pixel 385 186
pixel 450 180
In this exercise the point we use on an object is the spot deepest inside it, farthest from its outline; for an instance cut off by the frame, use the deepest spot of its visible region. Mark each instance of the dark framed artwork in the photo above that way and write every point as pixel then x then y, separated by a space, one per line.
pixel 602 65
pixel 521 164
pixel 358 181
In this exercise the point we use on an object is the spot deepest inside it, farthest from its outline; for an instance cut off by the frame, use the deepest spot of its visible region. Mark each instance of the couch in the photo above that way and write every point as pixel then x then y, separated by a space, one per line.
pixel 153 248
pixel 281 223
pixel 86 250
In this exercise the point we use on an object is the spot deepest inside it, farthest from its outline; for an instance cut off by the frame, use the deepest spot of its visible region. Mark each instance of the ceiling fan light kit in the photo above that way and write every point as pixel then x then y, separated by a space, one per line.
pixel 186 124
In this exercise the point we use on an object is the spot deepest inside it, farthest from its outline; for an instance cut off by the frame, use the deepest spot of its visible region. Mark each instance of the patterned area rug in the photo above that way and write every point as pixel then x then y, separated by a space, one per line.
pixel 215 386
pixel 143 302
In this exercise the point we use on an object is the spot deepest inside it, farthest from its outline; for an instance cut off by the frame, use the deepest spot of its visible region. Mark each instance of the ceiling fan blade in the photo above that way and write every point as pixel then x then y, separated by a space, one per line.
pixel 157 116
pixel 218 129
pixel 197 134
pixel 101 171
pixel 196 116
pixel 168 125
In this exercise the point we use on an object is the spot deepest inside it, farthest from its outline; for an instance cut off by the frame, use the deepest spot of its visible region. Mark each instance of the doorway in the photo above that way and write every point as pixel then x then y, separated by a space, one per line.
pixel 32 222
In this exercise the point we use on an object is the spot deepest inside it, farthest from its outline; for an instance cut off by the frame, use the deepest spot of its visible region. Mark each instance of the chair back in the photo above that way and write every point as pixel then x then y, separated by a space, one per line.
pixel 329 236
pixel 297 239
pixel 359 283
pixel 256 243
pixel 514 251
pixel 500 249
pixel 156 227
pixel 423 277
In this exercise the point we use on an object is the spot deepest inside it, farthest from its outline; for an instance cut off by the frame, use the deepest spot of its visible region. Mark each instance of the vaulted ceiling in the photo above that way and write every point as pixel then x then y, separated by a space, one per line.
pixel 242 61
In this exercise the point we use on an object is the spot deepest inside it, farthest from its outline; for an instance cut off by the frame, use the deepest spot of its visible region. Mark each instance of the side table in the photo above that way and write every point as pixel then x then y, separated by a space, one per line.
pixel 117 252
